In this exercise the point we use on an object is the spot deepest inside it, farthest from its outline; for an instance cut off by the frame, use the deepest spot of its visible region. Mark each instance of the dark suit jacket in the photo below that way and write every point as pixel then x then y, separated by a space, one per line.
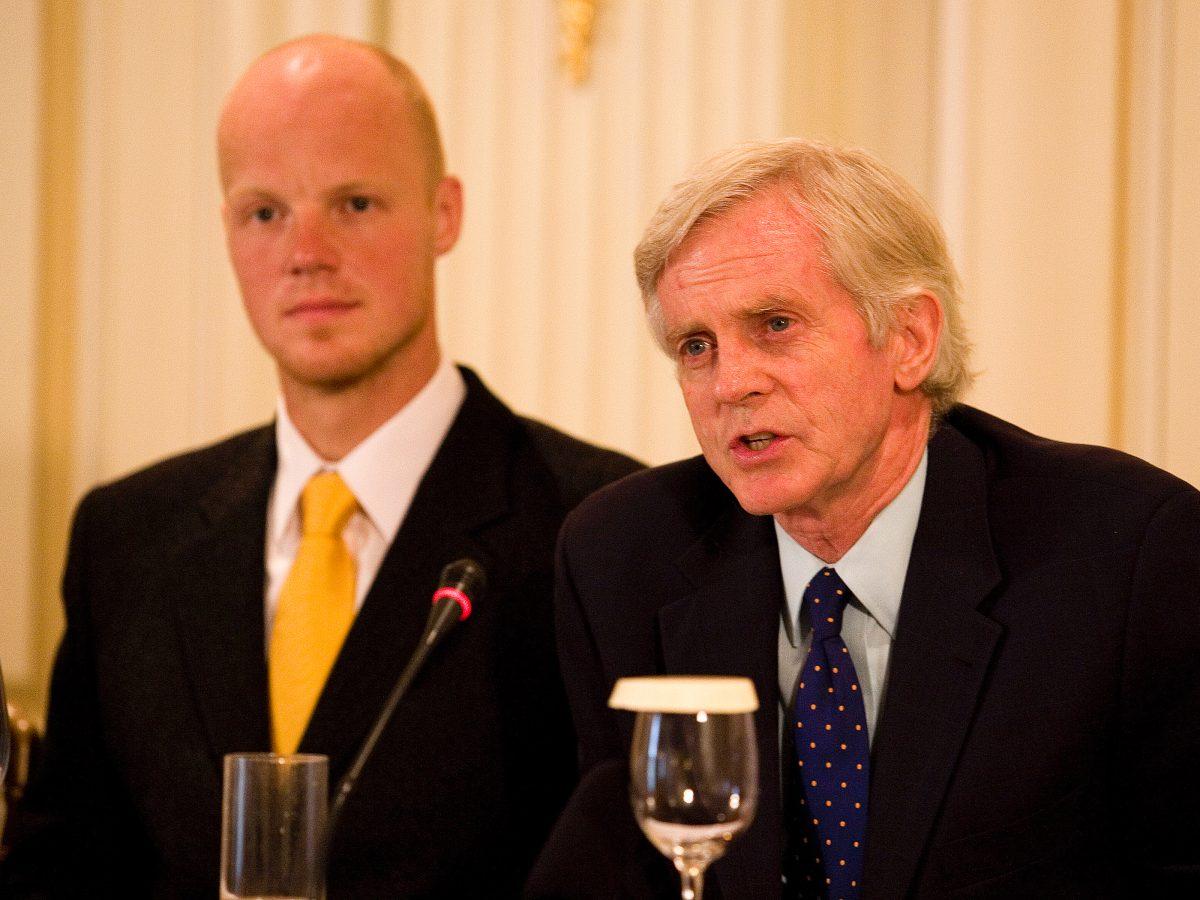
pixel 1040 733
pixel 162 671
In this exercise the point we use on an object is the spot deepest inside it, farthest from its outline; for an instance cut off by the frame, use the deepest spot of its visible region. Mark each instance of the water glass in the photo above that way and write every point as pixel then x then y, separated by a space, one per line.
pixel 693 766
pixel 273 826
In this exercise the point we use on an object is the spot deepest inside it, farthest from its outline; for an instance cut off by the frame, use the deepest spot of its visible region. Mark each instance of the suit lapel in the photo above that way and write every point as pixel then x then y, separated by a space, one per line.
pixel 729 626
pixel 217 590
pixel 939 658
pixel 464 488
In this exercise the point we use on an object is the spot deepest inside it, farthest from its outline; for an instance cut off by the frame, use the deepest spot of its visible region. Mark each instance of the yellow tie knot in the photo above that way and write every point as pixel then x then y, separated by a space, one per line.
pixel 326 505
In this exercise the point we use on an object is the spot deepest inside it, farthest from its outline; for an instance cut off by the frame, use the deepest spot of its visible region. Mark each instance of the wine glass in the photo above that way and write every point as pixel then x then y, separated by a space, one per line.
pixel 693 766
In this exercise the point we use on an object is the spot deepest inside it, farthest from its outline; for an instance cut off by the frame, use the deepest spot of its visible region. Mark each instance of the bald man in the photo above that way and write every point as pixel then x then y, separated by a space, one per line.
pixel 179 646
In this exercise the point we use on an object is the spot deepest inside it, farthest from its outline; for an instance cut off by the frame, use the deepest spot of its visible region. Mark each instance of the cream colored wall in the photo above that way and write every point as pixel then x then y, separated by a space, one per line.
pixel 1056 140
pixel 19 45
pixel 1042 178
pixel 1172 296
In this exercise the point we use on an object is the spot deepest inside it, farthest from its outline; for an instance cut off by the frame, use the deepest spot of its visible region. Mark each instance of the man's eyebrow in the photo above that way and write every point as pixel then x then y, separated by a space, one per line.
pixel 776 304
pixel 793 306
pixel 251 192
pixel 674 335
pixel 350 187
pixel 764 308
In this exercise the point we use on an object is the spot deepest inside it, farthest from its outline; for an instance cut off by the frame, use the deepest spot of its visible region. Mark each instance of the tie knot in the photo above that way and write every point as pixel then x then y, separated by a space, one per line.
pixel 326 505
pixel 826 597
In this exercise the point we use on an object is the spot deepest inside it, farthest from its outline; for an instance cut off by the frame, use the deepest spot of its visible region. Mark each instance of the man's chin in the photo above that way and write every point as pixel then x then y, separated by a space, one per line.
pixel 324 378
pixel 757 499
pixel 757 506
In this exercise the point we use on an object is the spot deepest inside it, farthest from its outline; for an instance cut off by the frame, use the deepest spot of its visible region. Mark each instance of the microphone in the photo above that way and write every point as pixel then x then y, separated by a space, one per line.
pixel 462 582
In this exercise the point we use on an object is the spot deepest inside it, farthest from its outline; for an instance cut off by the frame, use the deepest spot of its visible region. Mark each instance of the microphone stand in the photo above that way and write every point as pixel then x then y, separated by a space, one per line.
pixel 451 604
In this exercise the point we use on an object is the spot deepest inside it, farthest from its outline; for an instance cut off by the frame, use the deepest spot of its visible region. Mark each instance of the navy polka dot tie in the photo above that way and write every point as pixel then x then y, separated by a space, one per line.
pixel 829 725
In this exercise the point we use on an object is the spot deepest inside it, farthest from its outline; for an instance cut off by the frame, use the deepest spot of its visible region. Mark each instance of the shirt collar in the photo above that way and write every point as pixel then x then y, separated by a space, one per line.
pixel 875 567
pixel 384 470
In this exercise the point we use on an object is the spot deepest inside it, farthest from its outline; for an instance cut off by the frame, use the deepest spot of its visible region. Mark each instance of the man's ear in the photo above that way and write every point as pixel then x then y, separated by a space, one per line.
pixel 915 337
pixel 448 213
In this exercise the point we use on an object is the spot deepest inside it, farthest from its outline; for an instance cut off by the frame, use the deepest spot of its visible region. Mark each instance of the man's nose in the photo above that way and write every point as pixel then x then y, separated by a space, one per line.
pixel 742 374
pixel 313 247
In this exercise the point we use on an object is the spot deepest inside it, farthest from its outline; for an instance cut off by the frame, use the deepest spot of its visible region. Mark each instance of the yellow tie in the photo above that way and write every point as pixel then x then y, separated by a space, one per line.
pixel 315 610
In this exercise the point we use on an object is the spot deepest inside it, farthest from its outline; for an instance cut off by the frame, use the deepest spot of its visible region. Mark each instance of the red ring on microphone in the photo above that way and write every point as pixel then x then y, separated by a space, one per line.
pixel 463 601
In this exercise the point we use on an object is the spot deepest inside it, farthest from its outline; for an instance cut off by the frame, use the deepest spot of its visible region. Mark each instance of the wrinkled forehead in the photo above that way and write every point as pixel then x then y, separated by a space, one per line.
pixel 766 221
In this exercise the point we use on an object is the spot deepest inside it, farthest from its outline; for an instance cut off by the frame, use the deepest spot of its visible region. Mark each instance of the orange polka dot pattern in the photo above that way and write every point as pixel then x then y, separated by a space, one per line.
pixel 829 727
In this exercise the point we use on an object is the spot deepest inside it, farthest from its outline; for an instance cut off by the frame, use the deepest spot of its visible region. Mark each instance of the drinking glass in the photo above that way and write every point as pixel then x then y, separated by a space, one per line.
pixel 273 826
pixel 693 766
pixel 5 739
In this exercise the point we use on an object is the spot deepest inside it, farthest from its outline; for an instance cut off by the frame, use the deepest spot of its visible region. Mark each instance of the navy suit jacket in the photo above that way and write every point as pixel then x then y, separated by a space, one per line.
pixel 162 671
pixel 1040 732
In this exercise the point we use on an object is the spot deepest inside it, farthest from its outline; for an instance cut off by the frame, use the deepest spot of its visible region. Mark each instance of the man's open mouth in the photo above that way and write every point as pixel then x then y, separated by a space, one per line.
pixel 758 441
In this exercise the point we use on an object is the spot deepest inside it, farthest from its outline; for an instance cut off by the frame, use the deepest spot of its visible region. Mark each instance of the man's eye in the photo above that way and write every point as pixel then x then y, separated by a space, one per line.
pixel 264 213
pixel 694 347
pixel 778 323
pixel 360 204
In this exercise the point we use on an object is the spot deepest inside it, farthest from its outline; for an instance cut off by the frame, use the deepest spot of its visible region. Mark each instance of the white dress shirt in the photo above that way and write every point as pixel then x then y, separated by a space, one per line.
pixel 874 569
pixel 383 473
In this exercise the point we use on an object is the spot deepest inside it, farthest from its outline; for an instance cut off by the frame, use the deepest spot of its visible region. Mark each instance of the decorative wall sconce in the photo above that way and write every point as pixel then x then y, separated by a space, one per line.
pixel 576 19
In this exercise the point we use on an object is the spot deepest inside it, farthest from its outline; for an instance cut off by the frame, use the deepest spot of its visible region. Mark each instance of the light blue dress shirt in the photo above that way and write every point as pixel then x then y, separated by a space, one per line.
pixel 874 569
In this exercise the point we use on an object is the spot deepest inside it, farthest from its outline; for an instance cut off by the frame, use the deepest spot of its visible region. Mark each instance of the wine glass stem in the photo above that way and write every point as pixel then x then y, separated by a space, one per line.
pixel 691 881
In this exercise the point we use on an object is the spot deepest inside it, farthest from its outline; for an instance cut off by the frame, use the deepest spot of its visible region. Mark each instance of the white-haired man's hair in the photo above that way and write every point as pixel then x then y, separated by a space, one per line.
pixel 881 241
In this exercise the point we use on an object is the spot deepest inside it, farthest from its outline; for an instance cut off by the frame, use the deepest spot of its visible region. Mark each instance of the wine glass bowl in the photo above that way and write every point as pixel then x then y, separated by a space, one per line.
pixel 693 766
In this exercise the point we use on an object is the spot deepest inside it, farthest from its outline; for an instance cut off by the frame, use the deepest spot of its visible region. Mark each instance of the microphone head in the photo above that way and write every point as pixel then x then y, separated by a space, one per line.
pixel 463 581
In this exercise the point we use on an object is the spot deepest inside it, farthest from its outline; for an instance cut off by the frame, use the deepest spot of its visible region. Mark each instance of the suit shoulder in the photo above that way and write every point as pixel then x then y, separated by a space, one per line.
pixel 1061 468
pixel 577 468
pixel 192 473
pixel 686 491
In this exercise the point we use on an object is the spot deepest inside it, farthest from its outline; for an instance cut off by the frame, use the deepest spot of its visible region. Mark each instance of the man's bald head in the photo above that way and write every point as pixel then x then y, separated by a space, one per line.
pixel 322 62
pixel 335 212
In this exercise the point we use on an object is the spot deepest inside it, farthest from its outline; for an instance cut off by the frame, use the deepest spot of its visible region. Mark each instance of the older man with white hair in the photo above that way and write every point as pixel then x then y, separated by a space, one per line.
pixel 977 651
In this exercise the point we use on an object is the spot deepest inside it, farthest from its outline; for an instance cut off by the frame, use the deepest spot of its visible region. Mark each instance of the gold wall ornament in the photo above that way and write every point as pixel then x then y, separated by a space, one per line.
pixel 576 20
